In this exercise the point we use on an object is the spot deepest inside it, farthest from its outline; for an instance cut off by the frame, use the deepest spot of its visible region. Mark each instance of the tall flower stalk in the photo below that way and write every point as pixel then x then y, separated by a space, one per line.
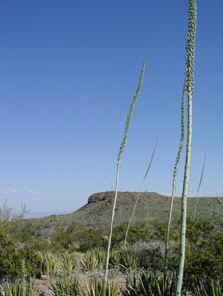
pixel 119 158
pixel 189 85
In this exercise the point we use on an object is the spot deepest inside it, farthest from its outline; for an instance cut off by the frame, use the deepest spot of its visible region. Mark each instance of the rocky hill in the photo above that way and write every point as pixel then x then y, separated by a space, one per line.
pixel 151 207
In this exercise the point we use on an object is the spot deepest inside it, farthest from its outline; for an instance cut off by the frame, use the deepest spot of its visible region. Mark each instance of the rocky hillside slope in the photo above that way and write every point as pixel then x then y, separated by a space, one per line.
pixel 151 207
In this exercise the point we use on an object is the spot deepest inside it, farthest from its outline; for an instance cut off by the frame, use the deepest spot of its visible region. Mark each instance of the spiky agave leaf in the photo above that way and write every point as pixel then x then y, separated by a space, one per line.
pixel 102 288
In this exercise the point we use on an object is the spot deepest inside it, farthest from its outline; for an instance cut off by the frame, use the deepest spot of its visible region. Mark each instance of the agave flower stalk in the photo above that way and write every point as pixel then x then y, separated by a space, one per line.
pixel 175 172
pixel 190 49
pixel 118 165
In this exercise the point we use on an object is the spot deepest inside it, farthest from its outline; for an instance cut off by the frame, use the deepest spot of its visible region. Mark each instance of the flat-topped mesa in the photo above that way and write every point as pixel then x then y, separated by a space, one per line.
pixel 109 195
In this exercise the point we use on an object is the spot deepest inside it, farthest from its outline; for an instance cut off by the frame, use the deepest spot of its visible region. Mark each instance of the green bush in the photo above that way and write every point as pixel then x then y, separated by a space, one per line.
pixel 9 260
pixel 64 241
pixel 90 239
pixel 150 258
pixel 137 232
pixel 204 254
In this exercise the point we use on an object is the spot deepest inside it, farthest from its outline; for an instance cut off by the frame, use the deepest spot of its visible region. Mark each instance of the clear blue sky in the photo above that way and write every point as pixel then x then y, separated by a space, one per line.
pixel 68 72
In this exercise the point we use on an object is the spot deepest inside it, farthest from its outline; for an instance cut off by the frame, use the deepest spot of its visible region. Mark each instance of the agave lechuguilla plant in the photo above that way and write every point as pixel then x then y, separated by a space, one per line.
pixel 68 263
pixel 147 284
pixel 50 263
pixel 19 288
pixel 66 286
pixel 123 260
pixel 99 287
pixel 93 260
pixel 207 287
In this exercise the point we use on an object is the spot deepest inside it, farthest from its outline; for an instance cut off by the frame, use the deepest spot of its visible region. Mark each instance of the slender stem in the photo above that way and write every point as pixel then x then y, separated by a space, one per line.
pixel 190 48
pixel 121 150
pixel 198 188
pixel 183 224
pixel 138 194
pixel 175 171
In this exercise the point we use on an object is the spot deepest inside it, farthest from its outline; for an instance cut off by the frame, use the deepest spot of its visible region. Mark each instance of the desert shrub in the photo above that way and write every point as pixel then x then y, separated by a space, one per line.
pixel 90 239
pixel 137 232
pixel 160 231
pixel 25 230
pixel 64 241
pixel 74 228
pixel 204 254
pixel 13 252
pixel 9 259
pixel 195 229
pixel 30 252
pixel 198 229
pixel 148 255
pixel 202 263
pixel 71 240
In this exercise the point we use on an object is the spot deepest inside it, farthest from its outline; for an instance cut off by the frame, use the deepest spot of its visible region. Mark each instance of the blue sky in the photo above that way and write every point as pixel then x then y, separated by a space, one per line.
pixel 68 72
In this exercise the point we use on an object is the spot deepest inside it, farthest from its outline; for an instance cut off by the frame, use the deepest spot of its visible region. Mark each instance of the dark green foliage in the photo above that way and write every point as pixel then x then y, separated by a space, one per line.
pixel 137 232
pixel 16 248
pixel 150 259
pixel 198 229
pixel 204 254
pixel 9 260
pixel 160 231
pixel 90 239
pixel 64 240
pixel 24 230
pixel 30 251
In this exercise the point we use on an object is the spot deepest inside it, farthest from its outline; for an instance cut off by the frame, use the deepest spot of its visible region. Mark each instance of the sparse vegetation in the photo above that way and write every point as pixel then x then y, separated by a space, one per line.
pixel 40 258
pixel 99 251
